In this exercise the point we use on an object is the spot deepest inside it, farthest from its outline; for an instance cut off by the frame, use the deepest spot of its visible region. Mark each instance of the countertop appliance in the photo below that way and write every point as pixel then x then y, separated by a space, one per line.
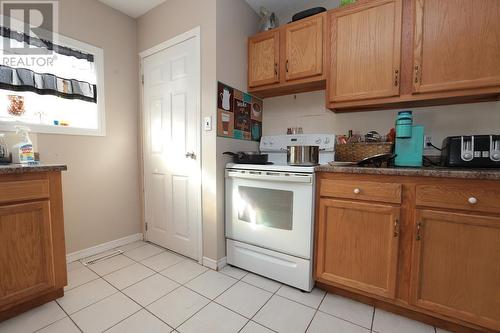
pixel 409 148
pixel 270 212
pixel 473 151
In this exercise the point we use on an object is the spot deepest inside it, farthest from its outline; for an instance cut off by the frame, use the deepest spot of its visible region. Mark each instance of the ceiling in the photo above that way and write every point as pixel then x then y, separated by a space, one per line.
pixel 133 8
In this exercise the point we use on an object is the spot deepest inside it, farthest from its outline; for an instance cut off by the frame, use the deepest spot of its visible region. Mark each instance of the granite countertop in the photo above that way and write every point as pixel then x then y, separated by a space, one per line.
pixel 18 168
pixel 441 172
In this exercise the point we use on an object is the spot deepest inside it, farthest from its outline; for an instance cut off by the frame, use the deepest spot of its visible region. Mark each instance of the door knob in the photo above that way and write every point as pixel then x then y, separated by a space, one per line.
pixel 357 191
pixel 472 200
pixel 191 155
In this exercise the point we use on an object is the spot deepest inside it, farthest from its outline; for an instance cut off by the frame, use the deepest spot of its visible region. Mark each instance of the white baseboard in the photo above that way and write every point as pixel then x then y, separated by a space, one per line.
pixel 216 265
pixel 221 263
pixel 70 257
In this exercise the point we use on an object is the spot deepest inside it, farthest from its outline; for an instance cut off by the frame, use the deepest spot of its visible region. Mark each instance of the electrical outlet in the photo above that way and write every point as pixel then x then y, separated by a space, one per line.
pixel 427 141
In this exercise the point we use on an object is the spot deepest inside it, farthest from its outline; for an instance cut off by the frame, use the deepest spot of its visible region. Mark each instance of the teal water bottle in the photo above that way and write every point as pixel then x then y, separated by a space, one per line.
pixel 404 124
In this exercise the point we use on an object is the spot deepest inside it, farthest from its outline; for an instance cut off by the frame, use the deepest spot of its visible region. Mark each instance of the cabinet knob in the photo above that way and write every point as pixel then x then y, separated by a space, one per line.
pixel 472 200
pixel 357 191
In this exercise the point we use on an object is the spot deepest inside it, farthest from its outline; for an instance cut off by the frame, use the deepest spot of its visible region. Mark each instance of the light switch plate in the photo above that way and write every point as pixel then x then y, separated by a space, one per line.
pixel 207 123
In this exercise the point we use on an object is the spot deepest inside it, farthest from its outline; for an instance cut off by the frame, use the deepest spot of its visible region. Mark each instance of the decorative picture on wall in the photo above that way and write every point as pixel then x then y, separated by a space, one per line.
pixel 239 115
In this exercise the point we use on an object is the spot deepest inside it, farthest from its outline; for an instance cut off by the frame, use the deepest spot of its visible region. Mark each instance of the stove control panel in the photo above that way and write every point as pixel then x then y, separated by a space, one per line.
pixel 273 143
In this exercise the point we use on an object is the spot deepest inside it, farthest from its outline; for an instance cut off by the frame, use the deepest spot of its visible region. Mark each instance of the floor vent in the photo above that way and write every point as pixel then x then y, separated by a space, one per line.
pixel 94 259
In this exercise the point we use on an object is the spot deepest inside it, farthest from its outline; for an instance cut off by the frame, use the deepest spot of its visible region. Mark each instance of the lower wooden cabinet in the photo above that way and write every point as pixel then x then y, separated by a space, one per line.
pixel 358 245
pixel 431 259
pixel 25 250
pixel 456 267
pixel 32 250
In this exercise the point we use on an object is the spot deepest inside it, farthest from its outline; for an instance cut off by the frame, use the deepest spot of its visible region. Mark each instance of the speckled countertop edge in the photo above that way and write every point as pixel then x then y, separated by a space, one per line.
pixel 488 174
pixel 18 168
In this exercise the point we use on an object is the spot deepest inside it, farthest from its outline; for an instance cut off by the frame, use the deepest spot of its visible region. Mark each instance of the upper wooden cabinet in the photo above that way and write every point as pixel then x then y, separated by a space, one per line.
pixel 412 53
pixel 365 51
pixel 455 266
pixel 263 58
pixel 304 48
pixel 289 59
pixel 456 45
pixel 357 245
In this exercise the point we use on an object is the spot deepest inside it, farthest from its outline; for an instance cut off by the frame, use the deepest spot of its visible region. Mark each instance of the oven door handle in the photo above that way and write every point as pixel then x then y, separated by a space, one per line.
pixel 270 176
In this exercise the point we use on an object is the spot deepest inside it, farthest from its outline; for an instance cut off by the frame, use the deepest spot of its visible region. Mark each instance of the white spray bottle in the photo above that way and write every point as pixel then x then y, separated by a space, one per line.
pixel 22 152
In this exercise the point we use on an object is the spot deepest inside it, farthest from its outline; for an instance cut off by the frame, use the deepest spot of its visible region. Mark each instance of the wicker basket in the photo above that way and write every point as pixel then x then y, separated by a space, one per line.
pixel 355 152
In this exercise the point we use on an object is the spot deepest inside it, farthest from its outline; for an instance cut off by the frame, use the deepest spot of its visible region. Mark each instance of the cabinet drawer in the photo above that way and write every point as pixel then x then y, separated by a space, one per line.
pixel 24 190
pixel 361 190
pixel 471 198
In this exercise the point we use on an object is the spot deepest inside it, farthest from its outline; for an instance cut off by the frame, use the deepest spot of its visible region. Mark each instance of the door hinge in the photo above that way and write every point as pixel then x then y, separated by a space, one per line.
pixel 146 226
pixel 142 79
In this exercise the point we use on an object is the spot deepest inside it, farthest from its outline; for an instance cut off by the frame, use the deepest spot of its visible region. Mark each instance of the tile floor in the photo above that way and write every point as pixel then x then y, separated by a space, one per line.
pixel 148 289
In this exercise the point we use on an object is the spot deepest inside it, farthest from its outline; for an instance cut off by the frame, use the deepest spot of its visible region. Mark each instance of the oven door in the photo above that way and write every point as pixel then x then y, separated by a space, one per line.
pixel 273 210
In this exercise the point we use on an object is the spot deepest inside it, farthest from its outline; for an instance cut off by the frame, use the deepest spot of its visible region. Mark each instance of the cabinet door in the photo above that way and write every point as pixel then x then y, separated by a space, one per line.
pixel 456 45
pixel 26 251
pixel 304 48
pixel 455 269
pixel 365 51
pixel 357 245
pixel 263 58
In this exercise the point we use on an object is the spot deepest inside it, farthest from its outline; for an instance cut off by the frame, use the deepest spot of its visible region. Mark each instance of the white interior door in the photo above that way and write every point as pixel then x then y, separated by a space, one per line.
pixel 172 168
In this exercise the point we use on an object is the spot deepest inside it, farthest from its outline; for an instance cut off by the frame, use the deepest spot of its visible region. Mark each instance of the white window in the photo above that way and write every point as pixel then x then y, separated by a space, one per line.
pixel 62 92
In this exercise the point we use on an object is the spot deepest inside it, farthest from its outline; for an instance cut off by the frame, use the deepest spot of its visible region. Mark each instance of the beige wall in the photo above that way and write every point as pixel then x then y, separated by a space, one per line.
pixel 101 186
pixel 308 111
pixel 168 20
pixel 235 22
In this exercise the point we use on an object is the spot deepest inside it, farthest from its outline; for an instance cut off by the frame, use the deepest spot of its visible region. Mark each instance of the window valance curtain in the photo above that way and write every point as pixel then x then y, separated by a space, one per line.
pixel 70 73
pixel 21 79
pixel 33 41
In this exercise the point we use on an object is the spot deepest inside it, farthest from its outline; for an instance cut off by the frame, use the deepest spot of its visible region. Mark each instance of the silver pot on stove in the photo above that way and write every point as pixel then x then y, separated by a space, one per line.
pixel 303 155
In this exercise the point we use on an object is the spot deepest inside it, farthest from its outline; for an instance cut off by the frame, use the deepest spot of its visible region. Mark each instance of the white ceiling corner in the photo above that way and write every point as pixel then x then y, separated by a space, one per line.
pixel 133 8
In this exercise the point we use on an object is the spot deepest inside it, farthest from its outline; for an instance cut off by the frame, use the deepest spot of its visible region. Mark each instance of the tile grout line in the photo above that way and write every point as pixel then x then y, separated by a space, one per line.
pixel 140 305
pixel 316 311
pixel 67 316
pixel 86 306
pixel 120 291
pixel 373 319
pixel 263 305
pixel 213 301
pixel 210 300
pixel 78 327
pixel 343 319
pixel 141 308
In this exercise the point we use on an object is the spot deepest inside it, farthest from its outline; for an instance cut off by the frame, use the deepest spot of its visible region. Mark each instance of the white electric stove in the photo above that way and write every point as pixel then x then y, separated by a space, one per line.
pixel 270 212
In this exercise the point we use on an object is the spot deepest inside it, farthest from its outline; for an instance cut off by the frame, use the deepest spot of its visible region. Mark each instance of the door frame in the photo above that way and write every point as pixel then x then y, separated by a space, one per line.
pixel 196 34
